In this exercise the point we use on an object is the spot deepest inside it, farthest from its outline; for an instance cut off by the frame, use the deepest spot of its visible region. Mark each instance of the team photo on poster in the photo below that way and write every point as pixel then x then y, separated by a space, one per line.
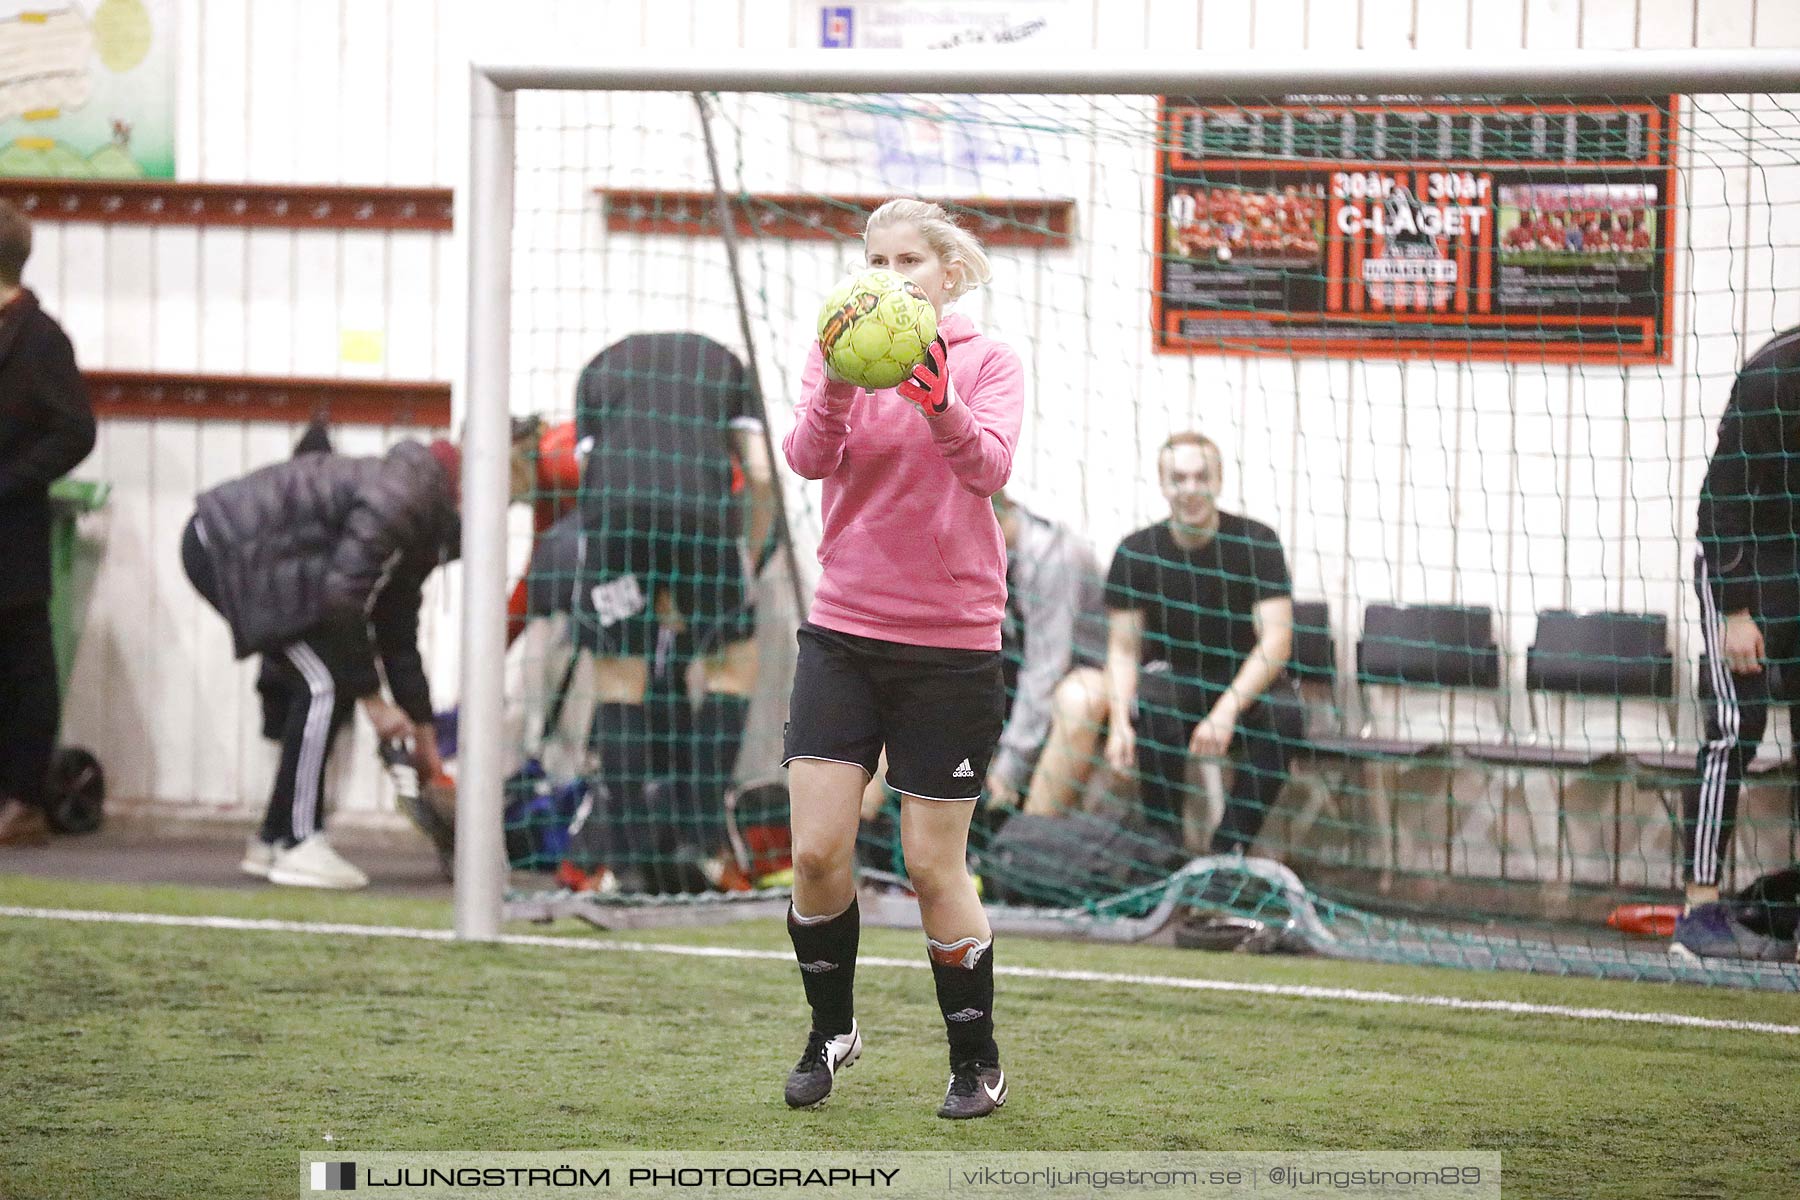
pixel 1423 227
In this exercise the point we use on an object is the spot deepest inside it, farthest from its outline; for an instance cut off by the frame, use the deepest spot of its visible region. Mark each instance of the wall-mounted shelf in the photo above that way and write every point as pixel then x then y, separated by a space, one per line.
pixel 282 206
pixel 156 394
pixel 1047 224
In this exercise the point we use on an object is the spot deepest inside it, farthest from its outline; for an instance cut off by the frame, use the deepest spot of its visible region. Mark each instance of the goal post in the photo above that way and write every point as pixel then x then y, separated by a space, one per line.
pixel 1422 387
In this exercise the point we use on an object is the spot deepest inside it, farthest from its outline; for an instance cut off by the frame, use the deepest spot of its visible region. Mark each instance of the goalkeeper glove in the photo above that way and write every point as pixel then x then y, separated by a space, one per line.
pixel 928 386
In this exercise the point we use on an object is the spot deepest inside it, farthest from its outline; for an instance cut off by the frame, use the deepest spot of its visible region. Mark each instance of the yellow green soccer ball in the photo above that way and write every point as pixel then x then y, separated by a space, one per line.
pixel 874 328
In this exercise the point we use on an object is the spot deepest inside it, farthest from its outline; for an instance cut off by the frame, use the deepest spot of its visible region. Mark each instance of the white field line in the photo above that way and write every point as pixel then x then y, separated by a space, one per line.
pixel 1181 982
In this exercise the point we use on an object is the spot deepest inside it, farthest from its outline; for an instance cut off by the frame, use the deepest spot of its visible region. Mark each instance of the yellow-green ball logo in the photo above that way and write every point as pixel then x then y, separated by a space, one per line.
pixel 874 328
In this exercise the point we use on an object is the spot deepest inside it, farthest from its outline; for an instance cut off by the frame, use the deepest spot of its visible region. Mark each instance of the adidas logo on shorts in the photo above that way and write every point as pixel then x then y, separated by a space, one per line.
pixel 818 967
pixel 963 771
pixel 967 1014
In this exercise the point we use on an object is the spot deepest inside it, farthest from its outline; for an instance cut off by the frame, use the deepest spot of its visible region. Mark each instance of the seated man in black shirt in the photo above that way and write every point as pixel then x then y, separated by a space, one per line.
pixel 1200 622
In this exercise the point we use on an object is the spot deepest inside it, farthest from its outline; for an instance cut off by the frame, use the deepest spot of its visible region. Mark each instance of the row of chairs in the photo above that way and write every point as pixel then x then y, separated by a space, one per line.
pixel 1610 656
pixel 1616 655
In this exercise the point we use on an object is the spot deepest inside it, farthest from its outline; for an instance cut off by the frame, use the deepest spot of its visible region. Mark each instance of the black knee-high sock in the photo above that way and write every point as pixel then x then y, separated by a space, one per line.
pixel 826 952
pixel 964 973
pixel 620 736
pixel 718 735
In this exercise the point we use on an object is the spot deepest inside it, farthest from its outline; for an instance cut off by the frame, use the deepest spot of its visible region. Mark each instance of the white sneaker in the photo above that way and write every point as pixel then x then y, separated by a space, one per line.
pixel 259 856
pixel 313 863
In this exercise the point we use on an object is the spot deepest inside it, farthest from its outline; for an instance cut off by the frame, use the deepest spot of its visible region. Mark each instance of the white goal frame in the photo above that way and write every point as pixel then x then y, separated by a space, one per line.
pixel 486 214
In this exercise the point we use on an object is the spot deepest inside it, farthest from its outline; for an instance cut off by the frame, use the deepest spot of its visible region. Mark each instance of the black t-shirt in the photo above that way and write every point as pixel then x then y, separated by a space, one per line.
pixel 1199 605
pixel 657 410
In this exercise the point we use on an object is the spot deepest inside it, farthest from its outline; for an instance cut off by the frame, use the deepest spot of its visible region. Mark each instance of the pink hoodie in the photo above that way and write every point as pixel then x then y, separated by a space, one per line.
pixel 911 551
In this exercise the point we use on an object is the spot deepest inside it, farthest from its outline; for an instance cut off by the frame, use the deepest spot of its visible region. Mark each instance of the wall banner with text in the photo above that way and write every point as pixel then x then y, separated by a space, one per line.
pixel 1399 227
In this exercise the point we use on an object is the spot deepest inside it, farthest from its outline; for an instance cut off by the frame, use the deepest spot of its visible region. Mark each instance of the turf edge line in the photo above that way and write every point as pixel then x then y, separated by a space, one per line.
pixel 1292 991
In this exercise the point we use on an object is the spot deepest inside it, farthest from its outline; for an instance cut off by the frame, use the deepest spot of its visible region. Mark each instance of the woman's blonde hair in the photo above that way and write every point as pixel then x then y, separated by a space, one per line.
pixel 948 240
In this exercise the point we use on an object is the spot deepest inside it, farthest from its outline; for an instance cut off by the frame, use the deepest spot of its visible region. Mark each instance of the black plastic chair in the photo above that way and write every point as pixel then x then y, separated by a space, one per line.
pixel 1598 655
pixel 1442 646
pixel 1445 648
pixel 1610 655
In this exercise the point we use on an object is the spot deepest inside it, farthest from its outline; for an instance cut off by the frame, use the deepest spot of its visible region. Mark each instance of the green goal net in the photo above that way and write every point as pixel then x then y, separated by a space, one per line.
pixel 1459 362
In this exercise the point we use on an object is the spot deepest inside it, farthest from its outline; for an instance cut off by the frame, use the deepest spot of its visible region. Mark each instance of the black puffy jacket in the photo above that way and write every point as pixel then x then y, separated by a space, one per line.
pixel 46 428
pixel 337 547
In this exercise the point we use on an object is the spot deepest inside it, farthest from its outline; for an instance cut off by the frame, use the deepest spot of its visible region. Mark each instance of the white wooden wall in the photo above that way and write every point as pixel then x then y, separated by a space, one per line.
pixel 1467 499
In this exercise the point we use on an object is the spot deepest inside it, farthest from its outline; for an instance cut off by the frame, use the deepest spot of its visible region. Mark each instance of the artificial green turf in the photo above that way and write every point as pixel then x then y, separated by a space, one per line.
pixel 147 1061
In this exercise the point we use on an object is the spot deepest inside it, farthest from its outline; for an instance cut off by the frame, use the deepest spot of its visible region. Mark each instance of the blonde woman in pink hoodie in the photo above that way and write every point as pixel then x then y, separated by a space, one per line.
pixel 901 652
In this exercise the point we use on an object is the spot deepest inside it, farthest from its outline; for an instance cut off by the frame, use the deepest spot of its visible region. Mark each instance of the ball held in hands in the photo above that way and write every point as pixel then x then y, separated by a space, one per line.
pixel 874 328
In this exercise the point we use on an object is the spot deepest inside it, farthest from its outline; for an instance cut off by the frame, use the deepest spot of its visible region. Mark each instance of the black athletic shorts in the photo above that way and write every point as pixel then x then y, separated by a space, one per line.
pixel 617 573
pixel 937 711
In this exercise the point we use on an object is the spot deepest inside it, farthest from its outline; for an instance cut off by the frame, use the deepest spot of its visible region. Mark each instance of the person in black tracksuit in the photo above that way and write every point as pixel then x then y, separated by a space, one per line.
pixel 1747 574
pixel 46 428
pixel 276 678
pixel 676 473
pixel 321 559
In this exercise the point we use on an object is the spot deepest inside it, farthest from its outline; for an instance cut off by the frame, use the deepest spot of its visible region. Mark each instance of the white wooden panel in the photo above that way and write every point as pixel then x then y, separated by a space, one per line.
pixel 1777 24
pixel 316 58
pixel 1487 493
pixel 1725 23
pixel 414 81
pixel 224 92
pixel 1665 24
pixel 454 48
pixel 363 97
pixel 175 269
pixel 1172 24
pixel 1606 26
pixel 1539 559
pixel 1592 531
pixel 1657 534
pixel 1441 26
pixel 224 269
pixel 670 26
pixel 363 297
pixel 1264 471
pixel 451 342
pixel 1497 25
pixel 1116 26
pixel 44 270
pixel 171 707
pixel 412 283
pixel 314 315
pixel 269 307
pixel 82 304
pixel 1332 26
pixel 127 726
pixel 129 310
pixel 1387 25
pixel 1553 24
pixel 280 97
pixel 189 113
pixel 1279 25
pixel 1226 24
pixel 1375 466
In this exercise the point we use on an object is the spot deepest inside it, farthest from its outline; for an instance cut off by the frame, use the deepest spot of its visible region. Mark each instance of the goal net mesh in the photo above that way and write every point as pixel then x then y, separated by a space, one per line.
pixel 1463 358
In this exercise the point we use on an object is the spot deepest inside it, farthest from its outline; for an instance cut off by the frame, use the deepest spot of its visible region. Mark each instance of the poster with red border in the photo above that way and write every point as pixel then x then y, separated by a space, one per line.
pixel 1417 227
